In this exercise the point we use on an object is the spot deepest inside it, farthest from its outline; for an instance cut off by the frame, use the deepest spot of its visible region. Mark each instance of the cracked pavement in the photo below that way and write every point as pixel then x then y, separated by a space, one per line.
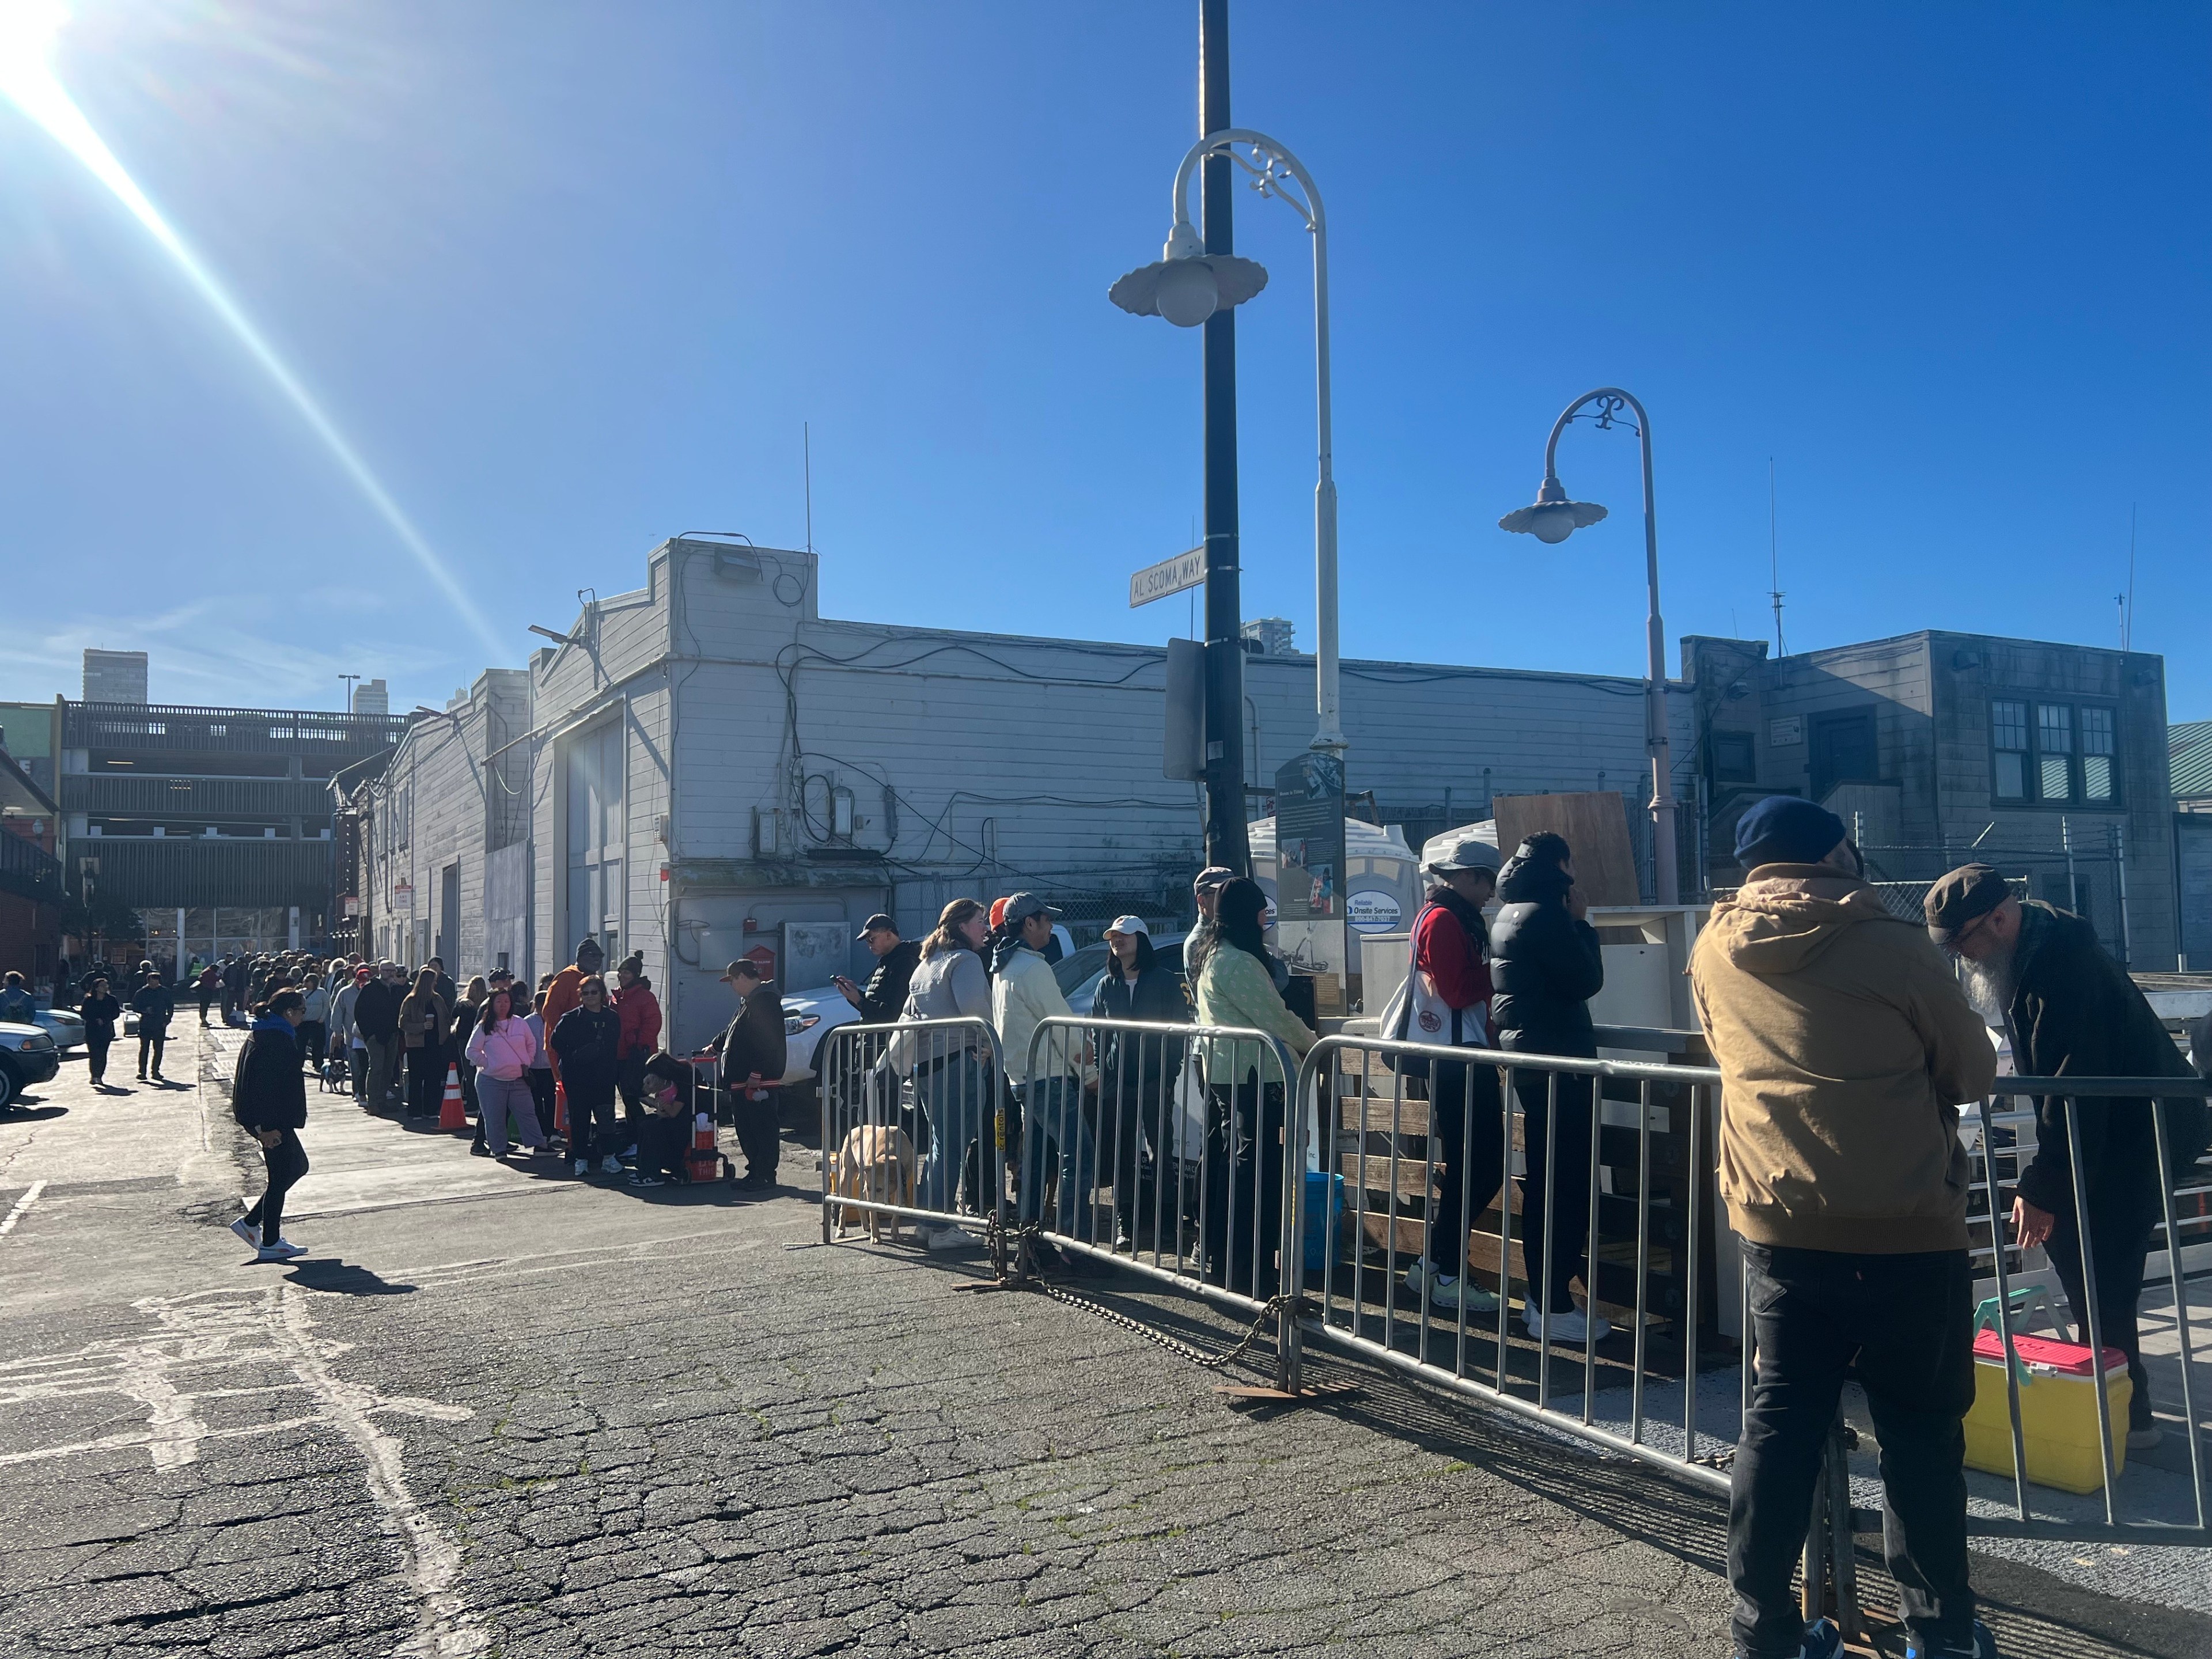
pixel 499 1413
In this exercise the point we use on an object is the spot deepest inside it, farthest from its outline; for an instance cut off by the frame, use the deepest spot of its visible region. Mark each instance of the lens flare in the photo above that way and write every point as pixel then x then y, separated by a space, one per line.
pixel 28 28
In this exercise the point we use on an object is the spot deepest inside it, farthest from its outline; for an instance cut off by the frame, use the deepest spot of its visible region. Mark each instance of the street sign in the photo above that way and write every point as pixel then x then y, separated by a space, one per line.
pixel 1157 582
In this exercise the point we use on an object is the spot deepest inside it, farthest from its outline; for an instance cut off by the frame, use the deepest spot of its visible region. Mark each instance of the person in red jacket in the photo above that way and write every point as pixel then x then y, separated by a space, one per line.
pixel 639 1010
pixel 1448 1003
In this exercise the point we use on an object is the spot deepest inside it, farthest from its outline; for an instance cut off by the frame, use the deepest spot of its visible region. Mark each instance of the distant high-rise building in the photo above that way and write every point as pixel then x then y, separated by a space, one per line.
pixel 371 697
pixel 115 676
pixel 1273 635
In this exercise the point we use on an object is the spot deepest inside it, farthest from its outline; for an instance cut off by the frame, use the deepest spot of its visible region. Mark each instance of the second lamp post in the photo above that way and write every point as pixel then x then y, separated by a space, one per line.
pixel 1552 518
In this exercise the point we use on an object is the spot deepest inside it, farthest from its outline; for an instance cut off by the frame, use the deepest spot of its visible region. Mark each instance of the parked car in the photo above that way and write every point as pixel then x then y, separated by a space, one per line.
pixel 808 1018
pixel 28 1058
pixel 1080 971
pixel 63 1026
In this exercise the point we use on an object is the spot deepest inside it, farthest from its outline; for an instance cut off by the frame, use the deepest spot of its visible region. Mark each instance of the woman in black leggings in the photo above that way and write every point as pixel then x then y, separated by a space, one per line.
pixel 102 1013
pixel 269 1098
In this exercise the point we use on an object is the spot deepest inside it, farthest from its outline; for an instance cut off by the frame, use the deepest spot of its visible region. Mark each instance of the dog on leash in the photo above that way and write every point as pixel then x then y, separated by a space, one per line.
pixel 875 1165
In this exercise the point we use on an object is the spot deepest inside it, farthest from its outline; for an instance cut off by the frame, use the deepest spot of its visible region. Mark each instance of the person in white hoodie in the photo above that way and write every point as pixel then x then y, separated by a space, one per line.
pixel 1023 995
pixel 502 1048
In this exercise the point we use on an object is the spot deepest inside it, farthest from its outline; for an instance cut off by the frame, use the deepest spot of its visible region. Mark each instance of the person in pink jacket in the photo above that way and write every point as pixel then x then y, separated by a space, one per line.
pixel 502 1049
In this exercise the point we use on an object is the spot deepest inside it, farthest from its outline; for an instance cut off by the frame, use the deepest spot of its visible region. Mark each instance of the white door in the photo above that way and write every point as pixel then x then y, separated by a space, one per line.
pixel 595 840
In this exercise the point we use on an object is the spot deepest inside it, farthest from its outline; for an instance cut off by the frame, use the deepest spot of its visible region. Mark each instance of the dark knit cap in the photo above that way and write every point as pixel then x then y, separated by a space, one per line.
pixel 1786 829
pixel 1970 891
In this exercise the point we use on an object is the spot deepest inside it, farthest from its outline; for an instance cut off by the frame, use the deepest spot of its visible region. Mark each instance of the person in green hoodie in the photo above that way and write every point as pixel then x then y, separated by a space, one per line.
pixel 1845 1048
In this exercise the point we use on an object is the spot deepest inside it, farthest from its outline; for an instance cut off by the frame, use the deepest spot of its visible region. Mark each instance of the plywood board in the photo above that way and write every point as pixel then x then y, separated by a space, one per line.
pixel 1594 824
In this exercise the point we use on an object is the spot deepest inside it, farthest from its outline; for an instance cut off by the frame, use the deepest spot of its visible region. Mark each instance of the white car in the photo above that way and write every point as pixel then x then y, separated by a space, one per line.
pixel 63 1026
pixel 28 1058
pixel 808 1018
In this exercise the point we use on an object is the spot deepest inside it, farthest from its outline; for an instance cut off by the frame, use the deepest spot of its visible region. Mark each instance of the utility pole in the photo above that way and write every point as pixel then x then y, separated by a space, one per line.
pixel 1226 842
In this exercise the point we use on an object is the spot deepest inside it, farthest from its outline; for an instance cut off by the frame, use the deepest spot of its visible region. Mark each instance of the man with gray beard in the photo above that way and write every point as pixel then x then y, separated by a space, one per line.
pixel 2040 974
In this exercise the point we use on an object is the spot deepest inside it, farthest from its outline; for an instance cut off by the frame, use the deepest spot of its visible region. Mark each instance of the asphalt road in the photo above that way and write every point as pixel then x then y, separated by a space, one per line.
pixel 500 1412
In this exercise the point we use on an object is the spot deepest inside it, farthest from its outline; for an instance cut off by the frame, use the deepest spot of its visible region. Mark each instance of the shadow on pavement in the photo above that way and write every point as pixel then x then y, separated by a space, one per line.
pixel 344 1278
pixel 31 1109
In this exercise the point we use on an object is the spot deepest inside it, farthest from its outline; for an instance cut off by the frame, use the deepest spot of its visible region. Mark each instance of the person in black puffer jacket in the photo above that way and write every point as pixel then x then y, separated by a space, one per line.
pixel 1545 966
pixel 269 1099
pixel 588 1040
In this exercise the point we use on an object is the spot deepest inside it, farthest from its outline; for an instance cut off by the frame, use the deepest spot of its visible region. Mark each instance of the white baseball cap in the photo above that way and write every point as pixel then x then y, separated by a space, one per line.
pixel 1128 925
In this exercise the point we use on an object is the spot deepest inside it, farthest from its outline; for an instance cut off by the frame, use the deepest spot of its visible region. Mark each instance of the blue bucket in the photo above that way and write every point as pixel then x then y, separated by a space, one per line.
pixel 1324 1213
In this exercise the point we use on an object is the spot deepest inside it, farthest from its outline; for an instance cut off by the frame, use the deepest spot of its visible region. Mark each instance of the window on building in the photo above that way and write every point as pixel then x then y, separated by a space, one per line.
pixel 2062 753
pixel 2008 733
pixel 1733 759
pixel 2054 751
pixel 2100 746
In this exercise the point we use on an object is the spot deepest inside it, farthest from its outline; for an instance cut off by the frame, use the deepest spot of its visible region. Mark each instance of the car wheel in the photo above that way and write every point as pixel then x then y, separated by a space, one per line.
pixel 9 1088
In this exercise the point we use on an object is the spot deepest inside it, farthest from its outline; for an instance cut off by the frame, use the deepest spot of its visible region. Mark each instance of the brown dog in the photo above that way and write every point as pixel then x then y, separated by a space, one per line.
pixel 877 1164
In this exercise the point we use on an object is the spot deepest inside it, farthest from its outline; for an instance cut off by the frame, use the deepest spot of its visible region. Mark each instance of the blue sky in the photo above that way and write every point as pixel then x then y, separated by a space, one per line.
pixel 571 276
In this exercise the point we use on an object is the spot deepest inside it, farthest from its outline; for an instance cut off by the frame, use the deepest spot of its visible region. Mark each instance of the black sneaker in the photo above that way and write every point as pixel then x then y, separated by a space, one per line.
pixel 754 1182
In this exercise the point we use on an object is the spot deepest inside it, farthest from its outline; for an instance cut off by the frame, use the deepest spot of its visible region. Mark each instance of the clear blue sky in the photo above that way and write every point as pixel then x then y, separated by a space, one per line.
pixel 571 276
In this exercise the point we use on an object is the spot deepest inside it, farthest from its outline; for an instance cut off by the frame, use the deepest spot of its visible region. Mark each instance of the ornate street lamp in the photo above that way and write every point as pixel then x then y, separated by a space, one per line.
pixel 1552 518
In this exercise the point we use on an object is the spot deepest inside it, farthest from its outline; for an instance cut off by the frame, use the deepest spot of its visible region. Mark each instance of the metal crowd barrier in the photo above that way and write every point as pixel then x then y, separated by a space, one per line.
pixel 1188 1155
pixel 914 1126
pixel 2071 1092
pixel 1187 1126
pixel 1359 1309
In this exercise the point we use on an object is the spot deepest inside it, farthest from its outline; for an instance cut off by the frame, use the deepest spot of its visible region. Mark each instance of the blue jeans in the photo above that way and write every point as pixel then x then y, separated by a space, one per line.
pixel 958 1103
pixel 1052 1111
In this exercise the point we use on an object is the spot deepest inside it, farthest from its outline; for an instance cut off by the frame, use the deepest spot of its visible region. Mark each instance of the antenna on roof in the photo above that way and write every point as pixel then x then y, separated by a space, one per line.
pixel 807 456
pixel 1774 562
pixel 2128 604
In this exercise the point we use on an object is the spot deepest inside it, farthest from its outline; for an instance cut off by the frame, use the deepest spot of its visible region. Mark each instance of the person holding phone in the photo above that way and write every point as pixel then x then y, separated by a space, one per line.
pixel 896 958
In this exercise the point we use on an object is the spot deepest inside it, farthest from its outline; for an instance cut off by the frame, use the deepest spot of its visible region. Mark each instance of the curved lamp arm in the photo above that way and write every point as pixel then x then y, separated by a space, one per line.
pixel 1610 399
pixel 1271 165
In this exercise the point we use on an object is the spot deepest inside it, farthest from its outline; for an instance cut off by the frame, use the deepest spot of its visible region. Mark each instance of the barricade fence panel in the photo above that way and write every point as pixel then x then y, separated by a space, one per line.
pixel 1468 1177
pixel 1163 1148
pixel 914 1129
pixel 1570 1262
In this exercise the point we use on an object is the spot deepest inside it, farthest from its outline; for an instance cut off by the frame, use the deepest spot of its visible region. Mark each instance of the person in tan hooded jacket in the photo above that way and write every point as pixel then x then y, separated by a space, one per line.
pixel 1846 1047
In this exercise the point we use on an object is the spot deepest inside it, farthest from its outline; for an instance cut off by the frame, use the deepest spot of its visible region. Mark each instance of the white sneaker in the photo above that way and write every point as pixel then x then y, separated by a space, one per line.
pixel 2144 1439
pixel 1572 1326
pixel 610 1164
pixel 287 1247
pixel 247 1231
pixel 583 1167
pixel 949 1238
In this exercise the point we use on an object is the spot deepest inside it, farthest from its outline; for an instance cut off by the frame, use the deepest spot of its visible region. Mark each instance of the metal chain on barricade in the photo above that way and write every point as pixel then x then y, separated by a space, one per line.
pixel 1022 1274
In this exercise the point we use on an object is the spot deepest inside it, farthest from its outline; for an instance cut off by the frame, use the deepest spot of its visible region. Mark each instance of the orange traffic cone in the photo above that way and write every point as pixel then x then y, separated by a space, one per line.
pixel 560 1109
pixel 452 1114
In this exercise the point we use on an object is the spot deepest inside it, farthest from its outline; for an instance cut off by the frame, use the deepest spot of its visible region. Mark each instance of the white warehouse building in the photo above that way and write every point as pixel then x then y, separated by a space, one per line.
pixel 707 768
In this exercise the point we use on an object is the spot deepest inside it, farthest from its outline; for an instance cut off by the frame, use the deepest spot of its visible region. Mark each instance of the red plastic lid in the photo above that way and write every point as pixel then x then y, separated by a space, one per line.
pixel 2067 1359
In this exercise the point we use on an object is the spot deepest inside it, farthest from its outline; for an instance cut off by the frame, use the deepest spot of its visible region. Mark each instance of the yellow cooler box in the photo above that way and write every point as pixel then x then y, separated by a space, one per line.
pixel 2058 1412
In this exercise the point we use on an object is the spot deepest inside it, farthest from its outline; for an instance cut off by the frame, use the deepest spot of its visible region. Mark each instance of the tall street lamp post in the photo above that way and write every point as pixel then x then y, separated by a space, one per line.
pixel 1551 519
pixel 1187 286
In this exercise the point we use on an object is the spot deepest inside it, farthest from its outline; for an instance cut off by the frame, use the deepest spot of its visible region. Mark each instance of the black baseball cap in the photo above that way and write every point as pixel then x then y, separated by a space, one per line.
pixel 879 923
